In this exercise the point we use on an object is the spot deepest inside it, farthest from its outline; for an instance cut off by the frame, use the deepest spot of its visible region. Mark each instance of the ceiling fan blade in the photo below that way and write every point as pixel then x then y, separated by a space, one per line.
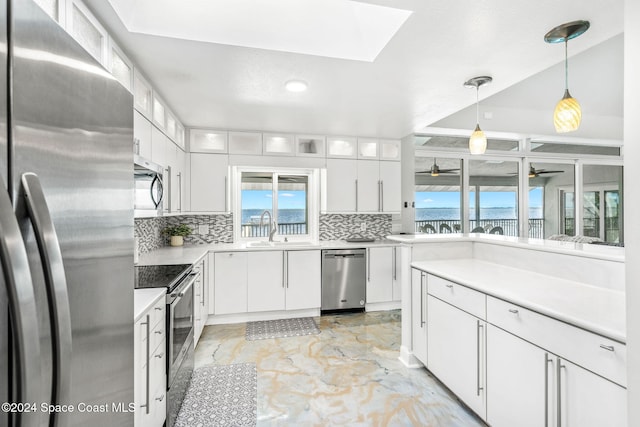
pixel 544 171
pixel 448 170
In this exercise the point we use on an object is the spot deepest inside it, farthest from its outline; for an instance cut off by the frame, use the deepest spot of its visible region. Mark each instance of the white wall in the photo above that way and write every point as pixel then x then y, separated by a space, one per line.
pixel 632 202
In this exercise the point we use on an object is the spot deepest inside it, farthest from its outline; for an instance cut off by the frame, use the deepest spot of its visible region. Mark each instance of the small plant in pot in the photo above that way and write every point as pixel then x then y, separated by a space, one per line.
pixel 177 233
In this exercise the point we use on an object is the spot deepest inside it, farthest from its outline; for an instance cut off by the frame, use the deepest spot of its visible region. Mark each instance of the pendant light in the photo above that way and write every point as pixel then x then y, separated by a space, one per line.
pixel 567 115
pixel 478 140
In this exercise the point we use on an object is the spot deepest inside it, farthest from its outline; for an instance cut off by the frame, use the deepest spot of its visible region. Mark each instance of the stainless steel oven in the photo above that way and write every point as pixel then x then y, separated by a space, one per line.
pixel 180 350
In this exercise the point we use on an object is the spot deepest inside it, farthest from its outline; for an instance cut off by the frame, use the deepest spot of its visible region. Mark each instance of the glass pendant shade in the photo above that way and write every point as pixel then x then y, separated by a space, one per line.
pixel 477 141
pixel 567 115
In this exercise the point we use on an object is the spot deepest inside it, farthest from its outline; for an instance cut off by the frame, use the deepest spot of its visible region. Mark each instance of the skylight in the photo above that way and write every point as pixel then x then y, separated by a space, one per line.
pixel 332 28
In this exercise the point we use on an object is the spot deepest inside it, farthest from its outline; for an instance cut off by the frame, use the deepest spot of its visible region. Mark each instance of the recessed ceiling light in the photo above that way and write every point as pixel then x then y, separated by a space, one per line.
pixel 296 86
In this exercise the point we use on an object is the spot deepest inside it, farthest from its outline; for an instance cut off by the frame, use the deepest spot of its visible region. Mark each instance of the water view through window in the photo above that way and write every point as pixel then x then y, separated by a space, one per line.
pixel 290 204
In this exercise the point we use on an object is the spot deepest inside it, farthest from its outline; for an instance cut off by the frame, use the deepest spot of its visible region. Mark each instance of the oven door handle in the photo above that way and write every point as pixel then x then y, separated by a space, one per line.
pixel 192 280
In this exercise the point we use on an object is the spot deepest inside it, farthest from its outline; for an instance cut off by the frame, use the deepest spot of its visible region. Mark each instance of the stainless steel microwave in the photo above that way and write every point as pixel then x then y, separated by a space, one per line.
pixel 148 187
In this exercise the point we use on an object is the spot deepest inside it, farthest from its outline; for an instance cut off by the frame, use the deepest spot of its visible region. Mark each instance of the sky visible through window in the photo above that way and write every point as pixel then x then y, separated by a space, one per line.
pixel 262 199
pixel 490 199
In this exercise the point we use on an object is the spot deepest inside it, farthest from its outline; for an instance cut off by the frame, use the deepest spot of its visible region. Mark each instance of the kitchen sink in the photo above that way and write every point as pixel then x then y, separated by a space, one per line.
pixel 264 244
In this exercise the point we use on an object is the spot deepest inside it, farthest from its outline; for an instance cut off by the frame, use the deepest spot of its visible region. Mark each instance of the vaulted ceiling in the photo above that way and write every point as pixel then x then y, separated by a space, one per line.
pixel 414 81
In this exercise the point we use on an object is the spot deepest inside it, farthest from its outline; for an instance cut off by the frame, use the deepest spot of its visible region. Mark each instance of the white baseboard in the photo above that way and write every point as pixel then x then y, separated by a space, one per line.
pixel 382 306
pixel 222 319
pixel 408 359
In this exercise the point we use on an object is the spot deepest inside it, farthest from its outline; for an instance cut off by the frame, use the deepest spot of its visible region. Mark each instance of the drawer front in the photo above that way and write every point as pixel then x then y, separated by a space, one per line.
pixel 464 298
pixel 593 352
pixel 157 336
pixel 157 312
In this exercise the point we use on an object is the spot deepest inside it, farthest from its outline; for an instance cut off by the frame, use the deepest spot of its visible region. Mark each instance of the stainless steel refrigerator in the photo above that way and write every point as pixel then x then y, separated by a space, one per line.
pixel 66 228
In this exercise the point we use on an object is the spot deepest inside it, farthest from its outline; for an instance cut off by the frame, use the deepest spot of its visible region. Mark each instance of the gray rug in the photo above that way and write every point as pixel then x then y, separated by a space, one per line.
pixel 221 395
pixel 281 328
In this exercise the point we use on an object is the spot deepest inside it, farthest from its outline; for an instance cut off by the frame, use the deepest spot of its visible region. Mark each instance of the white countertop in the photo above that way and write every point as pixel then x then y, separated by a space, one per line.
pixel 190 254
pixel 144 299
pixel 599 310
pixel 604 252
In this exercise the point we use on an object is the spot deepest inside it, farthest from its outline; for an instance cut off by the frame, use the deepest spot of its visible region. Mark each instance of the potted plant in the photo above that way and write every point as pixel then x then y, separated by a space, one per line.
pixel 177 233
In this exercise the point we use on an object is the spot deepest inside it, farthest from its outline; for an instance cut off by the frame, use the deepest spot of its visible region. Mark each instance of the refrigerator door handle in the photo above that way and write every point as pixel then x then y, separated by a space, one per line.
pixel 56 283
pixel 22 305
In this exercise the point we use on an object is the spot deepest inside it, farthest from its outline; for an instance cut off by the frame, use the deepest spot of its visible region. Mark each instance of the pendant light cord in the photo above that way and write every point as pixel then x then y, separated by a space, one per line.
pixel 566 65
pixel 477 105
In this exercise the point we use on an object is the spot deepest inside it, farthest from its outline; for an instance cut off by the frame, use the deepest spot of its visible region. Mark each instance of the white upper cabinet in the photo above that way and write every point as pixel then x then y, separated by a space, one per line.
pixel 120 66
pixel 159 113
pixel 390 187
pixel 341 187
pixel 209 183
pixel 342 146
pixel 87 31
pixel 180 136
pixel 367 148
pixel 142 135
pixel 310 145
pixel 142 95
pixel 245 143
pixel 368 185
pixel 278 144
pixel 389 149
pixel 208 141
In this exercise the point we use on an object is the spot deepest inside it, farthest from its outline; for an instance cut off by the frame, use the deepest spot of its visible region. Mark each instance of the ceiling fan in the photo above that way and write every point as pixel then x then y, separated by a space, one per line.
pixel 435 170
pixel 534 173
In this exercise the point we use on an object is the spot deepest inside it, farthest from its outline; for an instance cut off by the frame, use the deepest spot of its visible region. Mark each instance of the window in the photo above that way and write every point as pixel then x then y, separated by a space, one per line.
pixel 493 197
pixel 437 195
pixel 602 213
pixel 545 198
pixel 286 197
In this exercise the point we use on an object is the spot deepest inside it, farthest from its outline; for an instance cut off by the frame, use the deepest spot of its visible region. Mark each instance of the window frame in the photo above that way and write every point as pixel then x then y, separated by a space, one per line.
pixel 313 201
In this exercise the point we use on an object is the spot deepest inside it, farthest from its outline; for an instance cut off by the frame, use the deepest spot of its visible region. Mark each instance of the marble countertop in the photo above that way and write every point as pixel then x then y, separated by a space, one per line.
pixel 609 253
pixel 595 309
pixel 190 254
pixel 144 299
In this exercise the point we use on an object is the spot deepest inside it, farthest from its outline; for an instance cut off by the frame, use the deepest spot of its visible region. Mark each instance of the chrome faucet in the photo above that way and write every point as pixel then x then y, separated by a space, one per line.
pixel 272 224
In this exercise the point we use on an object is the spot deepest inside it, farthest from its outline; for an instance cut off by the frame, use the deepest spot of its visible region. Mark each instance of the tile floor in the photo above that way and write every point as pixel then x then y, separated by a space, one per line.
pixel 348 375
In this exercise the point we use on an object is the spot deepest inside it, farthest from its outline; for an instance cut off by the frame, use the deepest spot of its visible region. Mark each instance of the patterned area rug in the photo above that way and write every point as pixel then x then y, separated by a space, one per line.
pixel 281 328
pixel 221 395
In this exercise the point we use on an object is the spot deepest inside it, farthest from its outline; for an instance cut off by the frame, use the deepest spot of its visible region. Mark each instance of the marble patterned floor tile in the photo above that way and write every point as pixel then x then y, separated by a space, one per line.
pixel 348 375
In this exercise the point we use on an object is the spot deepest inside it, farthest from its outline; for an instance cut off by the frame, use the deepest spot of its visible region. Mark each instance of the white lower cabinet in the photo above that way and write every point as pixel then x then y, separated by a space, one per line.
pixel 303 279
pixel 150 367
pixel 517 376
pixel 200 300
pixel 230 270
pixel 284 280
pixel 456 352
pixel 530 387
pixel 265 281
pixel 419 314
pixel 380 265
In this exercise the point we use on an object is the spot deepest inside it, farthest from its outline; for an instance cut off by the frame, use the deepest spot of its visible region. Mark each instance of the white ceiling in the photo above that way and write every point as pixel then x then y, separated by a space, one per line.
pixel 415 81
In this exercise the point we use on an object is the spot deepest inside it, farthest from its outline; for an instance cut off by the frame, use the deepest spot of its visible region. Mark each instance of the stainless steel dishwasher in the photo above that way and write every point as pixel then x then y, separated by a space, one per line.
pixel 343 279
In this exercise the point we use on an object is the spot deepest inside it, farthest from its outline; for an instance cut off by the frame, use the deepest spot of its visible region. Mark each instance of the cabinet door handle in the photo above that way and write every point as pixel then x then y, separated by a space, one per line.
pixel 284 270
pixel 356 195
pixel 287 267
pixel 179 191
pixel 607 347
pixel 559 368
pixel 381 196
pixel 421 299
pixel 170 192
pixel 159 356
pixel 225 195
pixel 512 310
pixel 159 332
pixel 449 286
pixel 547 360
pixel 368 265
pixel 147 379
pixel 158 308
pixel 161 398
pixel 479 388
pixel 394 263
